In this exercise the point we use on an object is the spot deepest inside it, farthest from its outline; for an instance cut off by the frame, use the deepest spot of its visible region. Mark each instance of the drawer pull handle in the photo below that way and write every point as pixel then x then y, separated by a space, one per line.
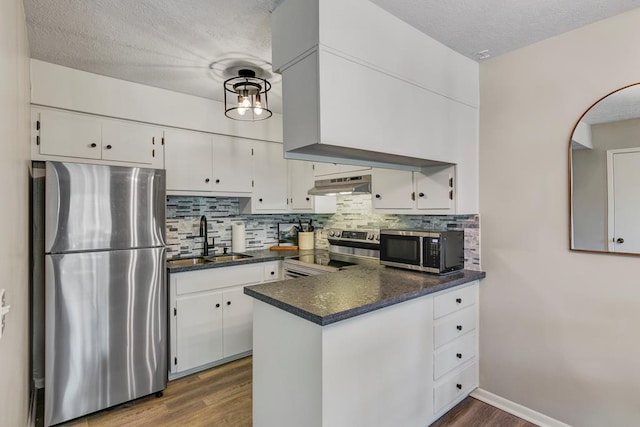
pixel 459 327
pixel 459 386
pixel 217 305
pixel 459 355
pixel 459 300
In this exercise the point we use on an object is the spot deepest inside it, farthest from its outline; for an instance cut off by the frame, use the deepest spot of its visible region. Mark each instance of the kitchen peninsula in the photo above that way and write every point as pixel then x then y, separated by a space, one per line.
pixel 365 346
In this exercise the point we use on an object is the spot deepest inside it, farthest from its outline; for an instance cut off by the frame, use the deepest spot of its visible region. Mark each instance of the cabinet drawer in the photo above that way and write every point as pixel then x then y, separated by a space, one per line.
pixel 453 387
pixel 454 354
pixel 216 278
pixel 454 300
pixel 456 324
pixel 272 271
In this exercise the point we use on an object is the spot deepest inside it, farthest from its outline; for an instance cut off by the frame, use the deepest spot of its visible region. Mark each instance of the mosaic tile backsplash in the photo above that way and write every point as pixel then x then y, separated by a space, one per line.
pixel 352 212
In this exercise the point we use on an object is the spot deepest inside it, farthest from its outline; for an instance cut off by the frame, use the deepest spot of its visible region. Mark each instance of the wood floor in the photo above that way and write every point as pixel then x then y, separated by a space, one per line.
pixel 221 397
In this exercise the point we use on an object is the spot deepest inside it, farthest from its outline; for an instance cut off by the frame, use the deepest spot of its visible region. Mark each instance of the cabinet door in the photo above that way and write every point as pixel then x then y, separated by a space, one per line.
pixel 198 329
pixel 270 176
pixel 188 161
pixel 70 135
pixel 131 143
pixel 237 321
pixel 434 187
pixel 392 189
pixel 300 182
pixel 232 164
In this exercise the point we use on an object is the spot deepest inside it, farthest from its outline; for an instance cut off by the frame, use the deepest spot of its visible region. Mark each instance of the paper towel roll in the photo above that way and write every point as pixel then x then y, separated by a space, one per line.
pixel 238 237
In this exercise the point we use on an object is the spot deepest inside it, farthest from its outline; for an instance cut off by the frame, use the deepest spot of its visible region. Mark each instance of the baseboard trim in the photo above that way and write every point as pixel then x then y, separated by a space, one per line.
pixel 516 409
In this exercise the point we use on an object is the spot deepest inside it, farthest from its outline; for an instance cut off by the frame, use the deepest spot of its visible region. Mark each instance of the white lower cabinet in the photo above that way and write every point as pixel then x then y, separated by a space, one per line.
pixel 211 319
pixel 455 344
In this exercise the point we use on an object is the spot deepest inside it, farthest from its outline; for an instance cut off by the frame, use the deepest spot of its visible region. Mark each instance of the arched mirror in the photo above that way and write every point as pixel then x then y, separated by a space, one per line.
pixel 604 158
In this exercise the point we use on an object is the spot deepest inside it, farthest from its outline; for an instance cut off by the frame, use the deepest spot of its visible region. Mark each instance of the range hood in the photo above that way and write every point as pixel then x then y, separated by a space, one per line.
pixel 360 184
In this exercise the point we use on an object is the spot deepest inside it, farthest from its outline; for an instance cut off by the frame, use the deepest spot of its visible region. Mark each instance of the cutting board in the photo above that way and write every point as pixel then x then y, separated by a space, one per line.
pixel 283 248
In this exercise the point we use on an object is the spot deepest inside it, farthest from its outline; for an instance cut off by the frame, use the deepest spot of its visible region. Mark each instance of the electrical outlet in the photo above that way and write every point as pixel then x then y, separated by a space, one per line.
pixel 4 309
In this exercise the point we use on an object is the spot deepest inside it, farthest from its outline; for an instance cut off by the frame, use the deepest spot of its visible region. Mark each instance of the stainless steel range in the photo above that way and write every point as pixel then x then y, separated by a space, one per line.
pixel 346 248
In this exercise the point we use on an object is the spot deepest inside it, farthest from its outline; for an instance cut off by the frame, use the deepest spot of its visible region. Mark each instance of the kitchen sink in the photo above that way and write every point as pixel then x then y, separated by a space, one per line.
pixel 226 258
pixel 186 262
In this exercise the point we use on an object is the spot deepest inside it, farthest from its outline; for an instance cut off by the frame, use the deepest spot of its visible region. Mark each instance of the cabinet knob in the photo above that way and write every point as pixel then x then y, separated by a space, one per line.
pixel 93 145
pixel 217 305
pixel 378 196
pixel 228 302
pixel 459 300
pixel 619 240
pixel 207 180
pixel 260 200
pixel 420 194
pixel 459 386
pixel 273 273
pixel 459 355
pixel 459 327
pixel 307 199
pixel 217 181
pixel 109 147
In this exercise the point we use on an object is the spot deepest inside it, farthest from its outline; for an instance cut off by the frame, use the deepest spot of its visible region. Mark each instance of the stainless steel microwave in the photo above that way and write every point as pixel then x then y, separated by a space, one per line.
pixel 431 251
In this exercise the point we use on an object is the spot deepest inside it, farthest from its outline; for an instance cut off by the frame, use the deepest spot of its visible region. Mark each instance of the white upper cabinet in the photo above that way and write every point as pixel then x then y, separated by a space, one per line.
pixel 301 180
pixel 324 169
pixel 392 189
pixel 232 164
pixel 129 142
pixel 65 136
pixel 70 135
pixel 201 163
pixel 353 93
pixel 431 191
pixel 434 188
pixel 188 160
pixel 270 180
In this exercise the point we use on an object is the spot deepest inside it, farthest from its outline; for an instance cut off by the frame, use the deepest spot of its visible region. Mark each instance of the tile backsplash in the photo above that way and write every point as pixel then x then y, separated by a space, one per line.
pixel 352 212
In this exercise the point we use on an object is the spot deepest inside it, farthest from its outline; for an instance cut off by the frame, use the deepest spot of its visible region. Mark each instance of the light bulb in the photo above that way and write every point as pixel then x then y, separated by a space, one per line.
pixel 246 103
pixel 241 111
pixel 258 107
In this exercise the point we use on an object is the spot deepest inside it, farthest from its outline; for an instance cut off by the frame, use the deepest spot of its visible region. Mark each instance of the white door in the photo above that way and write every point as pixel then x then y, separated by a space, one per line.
pixel 188 161
pixel 133 143
pixel 434 188
pixel 232 164
pixel 70 135
pixel 624 200
pixel 392 189
pixel 270 176
pixel 237 321
pixel 198 329
pixel 301 180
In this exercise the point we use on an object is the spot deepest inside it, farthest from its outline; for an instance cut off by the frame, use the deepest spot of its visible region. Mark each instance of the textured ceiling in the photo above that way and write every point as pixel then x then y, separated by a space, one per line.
pixel 622 105
pixel 171 44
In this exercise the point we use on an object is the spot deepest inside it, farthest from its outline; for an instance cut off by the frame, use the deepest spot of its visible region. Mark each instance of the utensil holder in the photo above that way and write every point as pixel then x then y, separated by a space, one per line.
pixel 306 240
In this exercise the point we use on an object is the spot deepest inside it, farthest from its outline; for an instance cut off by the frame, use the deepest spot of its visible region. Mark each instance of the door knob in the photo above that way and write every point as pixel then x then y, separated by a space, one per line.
pixel 619 240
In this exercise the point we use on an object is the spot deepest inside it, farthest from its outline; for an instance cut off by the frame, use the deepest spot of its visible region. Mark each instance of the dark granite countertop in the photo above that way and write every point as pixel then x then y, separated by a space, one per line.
pixel 262 255
pixel 332 297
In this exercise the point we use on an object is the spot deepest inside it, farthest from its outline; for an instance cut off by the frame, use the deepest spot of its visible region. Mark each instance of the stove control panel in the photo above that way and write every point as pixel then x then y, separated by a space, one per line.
pixel 368 236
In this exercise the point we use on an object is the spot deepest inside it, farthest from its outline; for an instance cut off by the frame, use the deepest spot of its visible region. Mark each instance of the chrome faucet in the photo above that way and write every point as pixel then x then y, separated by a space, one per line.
pixel 203 233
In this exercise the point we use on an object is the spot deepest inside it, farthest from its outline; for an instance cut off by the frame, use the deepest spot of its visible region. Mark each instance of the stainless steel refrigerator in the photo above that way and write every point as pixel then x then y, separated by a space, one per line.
pixel 105 280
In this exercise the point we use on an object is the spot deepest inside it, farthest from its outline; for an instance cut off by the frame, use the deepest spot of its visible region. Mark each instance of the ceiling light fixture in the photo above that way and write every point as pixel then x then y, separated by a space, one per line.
pixel 245 97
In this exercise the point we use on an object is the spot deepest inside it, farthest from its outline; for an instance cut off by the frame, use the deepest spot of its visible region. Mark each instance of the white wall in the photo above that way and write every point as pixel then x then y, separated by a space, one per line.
pixel 14 214
pixel 559 329
pixel 70 89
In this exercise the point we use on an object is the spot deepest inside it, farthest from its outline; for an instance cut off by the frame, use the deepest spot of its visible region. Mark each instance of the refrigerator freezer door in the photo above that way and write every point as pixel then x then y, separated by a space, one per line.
pixel 105 330
pixel 94 207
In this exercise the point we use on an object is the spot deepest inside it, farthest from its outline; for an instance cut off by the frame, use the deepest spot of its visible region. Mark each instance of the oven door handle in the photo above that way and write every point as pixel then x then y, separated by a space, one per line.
pixel 295 274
